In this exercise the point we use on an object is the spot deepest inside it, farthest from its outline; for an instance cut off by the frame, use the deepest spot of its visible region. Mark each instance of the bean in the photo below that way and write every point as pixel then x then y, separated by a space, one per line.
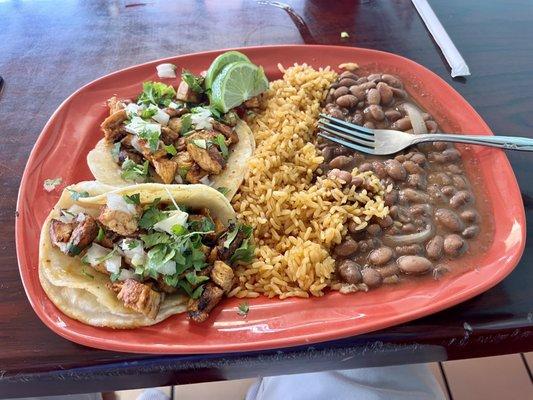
pixel 403 215
pixel 417 181
pixel 374 77
pixel 385 222
pixel 385 93
pixel 340 151
pixel 412 167
pixel 470 216
pixel 388 270
pixel 435 247
pixel 373 96
pixel 395 170
pixel 348 74
pixel 346 248
pixel 414 264
pixel 402 124
pixel 347 82
pixel 408 228
pixel 358 119
pixel 366 86
pixel 365 167
pixel 329 97
pixel 334 111
pixel 461 198
pixel 356 181
pixel 400 158
pixel 360 105
pixel 340 92
pixel 375 112
pixel 460 182
pixel 371 277
pixel 413 196
pixel 392 115
pixel 408 249
pixel 419 158
pixel 379 169
pixel 369 125
pixel 401 94
pixel 391 198
pixel 342 162
pixel 327 153
pixel 388 181
pixel 440 146
pixel 366 245
pixel 432 126
pixel 357 92
pixel 441 178
pixel 339 175
pixel 449 220
pixel 347 101
pixel 455 169
pixel 380 256
pixel 470 232
pixel 451 155
pixel 391 80
pixel 448 190
pixel 454 245
pixel 374 230
pixel 421 209
pixel 436 195
pixel 362 79
pixel 350 272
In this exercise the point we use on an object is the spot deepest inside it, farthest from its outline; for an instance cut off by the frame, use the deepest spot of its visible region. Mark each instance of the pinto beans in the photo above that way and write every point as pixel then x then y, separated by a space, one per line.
pixel 412 167
pixel 385 93
pixel 341 91
pixel 392 115
pixel 391 198
pixel 448 191
pixel 408 249
pixel 375 112
pixel 421 209
pixel 371 277
pixel 348 74
pixel 356 181
pixel 460 199
pixel 470 216
pixel 374 230
pixel 402 124
pixel 379 169
pixel 470 232
pixel 413 196
pixel 347 82
pixel 395 170
pixel 415 265
pixel 357 92
pixel 346 248
pixel 380 256
pixel 350 272
pixel 385 222
pixel 339 175
pixel 347 101
pixel 454 245
pixel 451 155
pixel 449 219
pixel 435 247
pixel 373 96
pixel 342 162
pixel 419 158
pixel 391 80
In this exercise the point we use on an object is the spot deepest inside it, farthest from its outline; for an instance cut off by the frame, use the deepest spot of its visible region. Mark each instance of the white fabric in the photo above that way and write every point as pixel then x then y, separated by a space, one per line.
pixel 152 394
pixel 87 396
pixel 405 382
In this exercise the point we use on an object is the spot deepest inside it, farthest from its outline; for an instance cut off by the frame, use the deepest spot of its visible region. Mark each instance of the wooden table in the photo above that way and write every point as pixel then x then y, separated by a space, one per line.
pixel 48 50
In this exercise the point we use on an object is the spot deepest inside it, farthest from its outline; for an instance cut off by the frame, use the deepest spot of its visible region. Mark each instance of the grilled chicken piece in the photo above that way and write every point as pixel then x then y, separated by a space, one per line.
pixel 166 169
pixel 195 173
pixel 224 253
pixel 147 152
pixel 112 126
pixel 109 238
pixel 121 222
pixel 163 287
pixel 139 297
pixel 198 310
pixel 181 144
pixel 183 160
pixel 185 93
pixel 204 158
pixel 83 234
pixel 175 124
pixel 116 104
pixel 133 156
pixel 60 232
pixel 222 275
pixel 228 132
pixel 169 135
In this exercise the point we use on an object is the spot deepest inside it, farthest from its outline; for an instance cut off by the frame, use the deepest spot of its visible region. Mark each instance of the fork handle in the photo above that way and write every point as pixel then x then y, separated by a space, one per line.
pixel 503 142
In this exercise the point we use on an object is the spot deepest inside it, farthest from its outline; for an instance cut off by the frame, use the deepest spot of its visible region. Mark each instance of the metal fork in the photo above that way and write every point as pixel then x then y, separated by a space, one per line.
pixel 388 141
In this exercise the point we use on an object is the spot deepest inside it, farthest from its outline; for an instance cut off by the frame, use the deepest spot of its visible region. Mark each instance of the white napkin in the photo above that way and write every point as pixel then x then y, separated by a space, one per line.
pixel 454 58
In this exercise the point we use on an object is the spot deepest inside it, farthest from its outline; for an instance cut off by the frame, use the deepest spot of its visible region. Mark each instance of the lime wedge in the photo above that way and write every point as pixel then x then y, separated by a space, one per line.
pixel 220 62
pixel 236 83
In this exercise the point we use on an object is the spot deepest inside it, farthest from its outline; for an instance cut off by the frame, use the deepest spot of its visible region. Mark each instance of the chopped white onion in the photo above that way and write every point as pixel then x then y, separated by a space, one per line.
pixel 132 109
pixel 96 252
pixel 127 274
pixel 113 264
pixel 206 181
pixel 138 125
pixel 166 70
pixel 116 202
pixel 168 268
pixel 71 213
pixel 176 217
pixel 159 116
pixel 417 121
pixel 201 119
pixel 178 179
pixel 173 105
pixel 136 145
pixel 135 255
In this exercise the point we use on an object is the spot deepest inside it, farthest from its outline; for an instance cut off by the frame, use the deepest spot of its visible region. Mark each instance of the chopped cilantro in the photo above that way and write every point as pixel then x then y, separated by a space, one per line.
pixel 204 225
pixel 186 124
pixel 215 113
pixel 243 309
pixel 133 244
pixel 193 81
pixel 115 151
pixel 194 279
pixel 183 171
pixel 134 172
pixel 101 234
pixel 106 257
pixel 152 239
pixel 67 212
pixel 75 195
pixel 152 137
pixel 114 277
pixel 232 234
pixel 244 254
pixel 85 260
pixel 73 250
pixel 220 141
pixel 186 286
pixel 151 216
pixel 178 230
pixel 201 143
pixel 197 292
pixel 133 198
pixel 170 149
pixel 224 190
pixel 148 113
pixel 156 93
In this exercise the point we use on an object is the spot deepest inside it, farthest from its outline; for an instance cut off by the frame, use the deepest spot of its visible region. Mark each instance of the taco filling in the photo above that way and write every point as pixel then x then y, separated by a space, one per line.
pixel 153 250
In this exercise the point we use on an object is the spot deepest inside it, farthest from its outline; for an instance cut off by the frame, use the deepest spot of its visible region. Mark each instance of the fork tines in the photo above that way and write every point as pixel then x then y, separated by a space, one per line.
pixel 350 135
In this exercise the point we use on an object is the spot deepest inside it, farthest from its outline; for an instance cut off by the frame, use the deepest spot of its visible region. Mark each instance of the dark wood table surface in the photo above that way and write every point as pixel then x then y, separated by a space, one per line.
pixel 49 49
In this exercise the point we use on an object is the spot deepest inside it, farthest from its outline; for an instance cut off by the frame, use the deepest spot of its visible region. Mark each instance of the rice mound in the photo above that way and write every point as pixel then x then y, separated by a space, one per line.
pixel 297 218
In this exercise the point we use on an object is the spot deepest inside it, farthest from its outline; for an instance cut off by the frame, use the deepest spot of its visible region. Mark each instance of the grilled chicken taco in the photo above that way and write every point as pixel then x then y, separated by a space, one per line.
pixel 133 256
pixel 187 136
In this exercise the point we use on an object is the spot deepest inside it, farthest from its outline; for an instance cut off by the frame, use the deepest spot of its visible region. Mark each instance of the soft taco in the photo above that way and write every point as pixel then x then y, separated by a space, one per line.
pixel 172 137
pixel 134 256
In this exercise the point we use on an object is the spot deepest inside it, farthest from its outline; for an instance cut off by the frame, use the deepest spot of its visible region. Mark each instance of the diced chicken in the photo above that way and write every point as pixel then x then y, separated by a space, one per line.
pixel 204 158
pixel 116 104
pixel 60 232
pixel 83 234
pixel 185 93
pixel 166 169
pixel 108 240
pixel 121 222
pixel 195 173
pixel 133 156
pixel 219 229
pixel 112 126
pixel 138 297
pixel 216 156
pixel 222 275
pixel 147 152
pixel 252 103
pixel 175 124
pixel 183 160
pixel 224 253
pixel 228 132
pixel 169 136
pixel 198 310
pixel 181 144
pixel 162 286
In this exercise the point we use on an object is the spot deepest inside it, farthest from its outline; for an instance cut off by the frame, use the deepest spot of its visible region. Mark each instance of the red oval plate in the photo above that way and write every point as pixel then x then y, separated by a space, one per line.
pixel 73 130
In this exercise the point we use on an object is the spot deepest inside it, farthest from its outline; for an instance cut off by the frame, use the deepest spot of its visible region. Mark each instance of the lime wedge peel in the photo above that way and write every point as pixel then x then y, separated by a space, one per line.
pixel 220 62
